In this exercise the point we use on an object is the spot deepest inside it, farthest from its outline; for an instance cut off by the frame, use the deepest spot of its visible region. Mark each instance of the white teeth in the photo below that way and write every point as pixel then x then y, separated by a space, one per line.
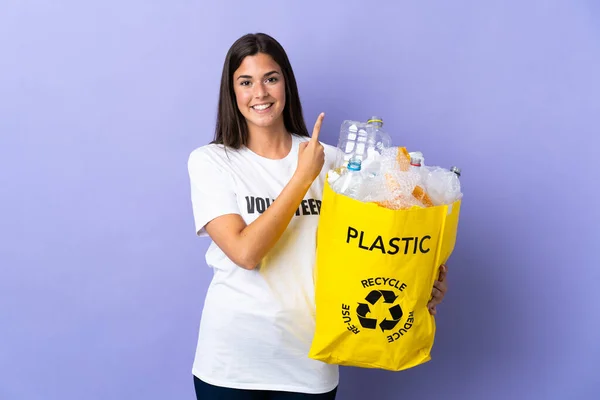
pixel 261 107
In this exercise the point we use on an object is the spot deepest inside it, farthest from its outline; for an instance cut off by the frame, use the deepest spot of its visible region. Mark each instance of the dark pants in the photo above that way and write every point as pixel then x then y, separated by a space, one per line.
pixel 204 391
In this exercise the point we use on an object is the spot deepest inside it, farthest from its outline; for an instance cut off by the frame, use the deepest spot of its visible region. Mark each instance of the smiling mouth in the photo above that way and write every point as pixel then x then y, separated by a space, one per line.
pixel 262 107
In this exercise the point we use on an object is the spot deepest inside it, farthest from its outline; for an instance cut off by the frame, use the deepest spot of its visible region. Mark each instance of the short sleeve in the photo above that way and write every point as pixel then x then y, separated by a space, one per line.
pixel 212 191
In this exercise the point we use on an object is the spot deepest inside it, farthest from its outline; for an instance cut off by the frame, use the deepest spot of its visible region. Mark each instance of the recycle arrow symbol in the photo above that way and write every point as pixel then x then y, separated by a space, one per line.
pixel 375 295
pixel 389 324
pixel 362 310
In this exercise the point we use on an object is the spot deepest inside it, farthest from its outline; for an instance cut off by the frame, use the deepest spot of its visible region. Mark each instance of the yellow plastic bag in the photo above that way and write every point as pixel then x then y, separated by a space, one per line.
pixel 375 270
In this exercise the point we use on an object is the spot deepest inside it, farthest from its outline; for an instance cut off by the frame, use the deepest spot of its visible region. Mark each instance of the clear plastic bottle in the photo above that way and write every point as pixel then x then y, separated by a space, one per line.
pixel 416 157
pixel 417 165
pixel 360 140
pixel 454 190
pixel 351 181
pixel 378 138
pixel 420 175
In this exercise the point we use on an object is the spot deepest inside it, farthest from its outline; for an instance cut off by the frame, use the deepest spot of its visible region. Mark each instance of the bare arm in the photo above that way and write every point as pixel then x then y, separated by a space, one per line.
pixel 246 245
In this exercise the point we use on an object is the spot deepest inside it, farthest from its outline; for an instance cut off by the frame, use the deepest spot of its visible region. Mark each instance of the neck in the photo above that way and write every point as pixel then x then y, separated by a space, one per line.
pixel 270 142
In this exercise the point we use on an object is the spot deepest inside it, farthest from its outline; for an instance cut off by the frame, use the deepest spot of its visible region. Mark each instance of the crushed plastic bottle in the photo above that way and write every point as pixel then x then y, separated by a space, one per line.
pixel 443 185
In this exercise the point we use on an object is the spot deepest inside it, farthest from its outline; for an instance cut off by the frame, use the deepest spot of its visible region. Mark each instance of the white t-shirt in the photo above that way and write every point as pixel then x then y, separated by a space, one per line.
pixel 257 326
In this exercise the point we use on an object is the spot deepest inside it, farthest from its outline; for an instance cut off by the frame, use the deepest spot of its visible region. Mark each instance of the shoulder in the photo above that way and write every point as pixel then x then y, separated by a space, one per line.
pixel 209 166
pixel 207 151
pixel 210 155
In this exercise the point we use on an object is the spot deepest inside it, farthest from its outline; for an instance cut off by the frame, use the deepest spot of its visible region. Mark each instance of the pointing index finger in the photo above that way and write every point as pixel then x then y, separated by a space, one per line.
pixel 317 128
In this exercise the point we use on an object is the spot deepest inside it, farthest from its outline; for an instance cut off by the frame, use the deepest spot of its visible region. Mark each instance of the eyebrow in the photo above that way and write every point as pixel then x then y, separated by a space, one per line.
pixel 264 76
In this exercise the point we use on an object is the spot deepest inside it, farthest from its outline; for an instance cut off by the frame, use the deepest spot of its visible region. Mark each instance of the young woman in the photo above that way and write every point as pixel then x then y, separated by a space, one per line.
pixel 256 191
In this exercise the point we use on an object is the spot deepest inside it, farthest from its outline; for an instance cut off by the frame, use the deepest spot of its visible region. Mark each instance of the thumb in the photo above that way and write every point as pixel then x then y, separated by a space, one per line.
pixel 443 272
pixel 302 145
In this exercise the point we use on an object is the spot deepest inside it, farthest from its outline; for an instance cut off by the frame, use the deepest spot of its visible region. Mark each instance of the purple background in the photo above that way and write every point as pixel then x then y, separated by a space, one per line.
pixel 102 279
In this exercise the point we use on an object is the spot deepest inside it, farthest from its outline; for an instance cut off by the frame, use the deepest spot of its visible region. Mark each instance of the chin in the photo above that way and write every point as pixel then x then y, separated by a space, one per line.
pixel 265 122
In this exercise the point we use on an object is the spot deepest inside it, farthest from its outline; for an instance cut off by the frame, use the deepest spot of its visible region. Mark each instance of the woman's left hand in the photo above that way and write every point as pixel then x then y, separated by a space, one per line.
pixel 440 287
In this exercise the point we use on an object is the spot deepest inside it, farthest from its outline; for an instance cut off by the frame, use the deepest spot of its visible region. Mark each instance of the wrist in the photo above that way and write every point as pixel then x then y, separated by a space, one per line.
pixel 301 181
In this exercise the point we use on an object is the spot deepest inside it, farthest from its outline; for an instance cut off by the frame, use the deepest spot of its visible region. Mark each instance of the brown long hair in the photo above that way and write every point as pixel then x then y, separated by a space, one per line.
pixel 231 129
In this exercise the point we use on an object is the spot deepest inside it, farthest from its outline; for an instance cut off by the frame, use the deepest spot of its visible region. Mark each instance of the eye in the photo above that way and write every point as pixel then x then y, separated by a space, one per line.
pixel 272 79
pixel 244 83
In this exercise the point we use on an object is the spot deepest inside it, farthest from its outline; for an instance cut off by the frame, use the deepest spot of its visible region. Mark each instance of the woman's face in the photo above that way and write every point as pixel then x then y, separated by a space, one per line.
pixel 260 91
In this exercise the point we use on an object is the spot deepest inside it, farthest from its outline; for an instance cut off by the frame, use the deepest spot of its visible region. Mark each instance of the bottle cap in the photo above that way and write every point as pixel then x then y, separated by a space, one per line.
pixel 375 120
pixel 354 164
pixel 416 158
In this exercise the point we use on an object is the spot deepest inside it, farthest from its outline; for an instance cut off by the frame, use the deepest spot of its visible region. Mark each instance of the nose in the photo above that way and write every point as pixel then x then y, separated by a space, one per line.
pixel 260 91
